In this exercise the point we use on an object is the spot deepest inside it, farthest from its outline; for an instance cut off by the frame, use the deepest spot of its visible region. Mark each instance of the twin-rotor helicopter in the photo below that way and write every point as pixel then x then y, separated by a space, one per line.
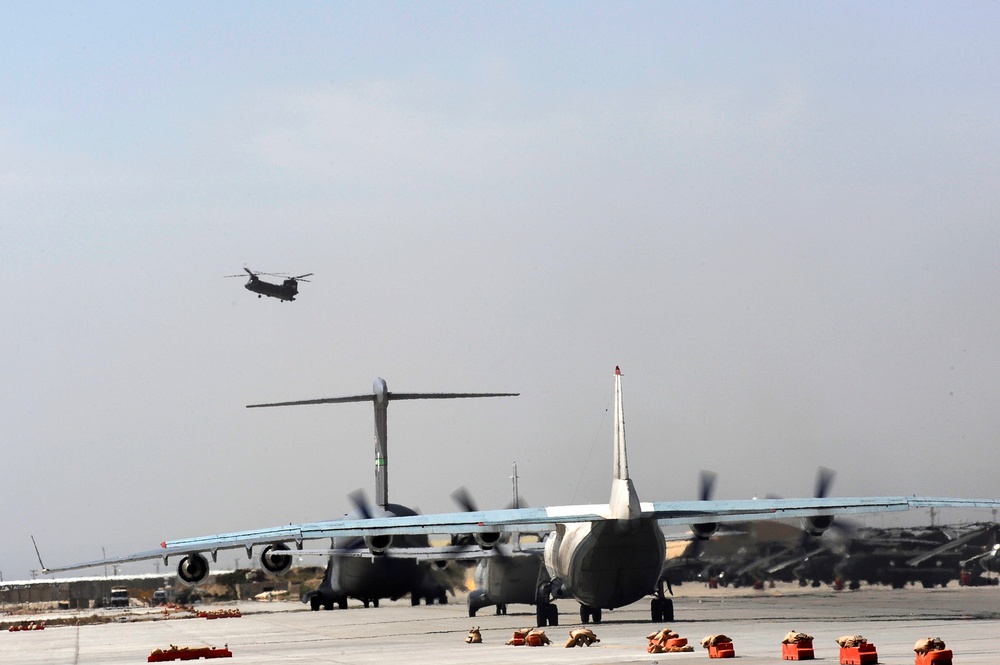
pixel 287 290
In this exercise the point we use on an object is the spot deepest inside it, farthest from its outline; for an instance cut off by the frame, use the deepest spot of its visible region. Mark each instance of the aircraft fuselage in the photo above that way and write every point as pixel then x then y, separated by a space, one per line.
pixel 370 578
pixel 606 564
pixel 512 579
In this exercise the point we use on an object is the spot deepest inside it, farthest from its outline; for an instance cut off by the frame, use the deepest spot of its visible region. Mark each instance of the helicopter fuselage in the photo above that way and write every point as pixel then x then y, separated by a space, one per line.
pixel 284 291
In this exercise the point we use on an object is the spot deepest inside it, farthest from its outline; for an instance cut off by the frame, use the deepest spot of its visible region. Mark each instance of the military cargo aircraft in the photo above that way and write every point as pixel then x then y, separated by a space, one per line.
pixel 604 555
pixel 369 579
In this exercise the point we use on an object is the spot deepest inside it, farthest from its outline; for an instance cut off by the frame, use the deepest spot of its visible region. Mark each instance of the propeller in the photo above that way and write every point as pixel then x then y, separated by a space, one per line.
pixel 824 479
pixel 706 488
pixel 361 504
pixel 465 501
pixel 706 485
pixel 845 530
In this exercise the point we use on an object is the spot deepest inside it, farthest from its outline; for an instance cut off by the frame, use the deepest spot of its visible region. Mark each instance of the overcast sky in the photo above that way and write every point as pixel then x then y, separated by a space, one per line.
pixel 780 219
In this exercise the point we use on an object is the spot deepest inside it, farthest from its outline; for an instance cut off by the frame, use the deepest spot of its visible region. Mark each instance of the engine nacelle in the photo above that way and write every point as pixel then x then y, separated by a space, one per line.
pixel 704 530
pixel 816 526
pixel 193 569
pixel 276 559
pixel 378 544
pixel 487 540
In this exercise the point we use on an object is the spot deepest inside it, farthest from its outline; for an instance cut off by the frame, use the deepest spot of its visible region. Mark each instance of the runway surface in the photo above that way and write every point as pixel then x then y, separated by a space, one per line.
pixel 967 619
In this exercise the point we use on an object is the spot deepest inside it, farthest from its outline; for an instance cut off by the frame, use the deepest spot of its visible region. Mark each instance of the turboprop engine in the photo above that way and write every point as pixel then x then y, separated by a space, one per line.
pixel 276 559
pixel 378 544
pixel 193 569
pixel 487 540
pixel 706 486
pixel 705 530
pixel 816 526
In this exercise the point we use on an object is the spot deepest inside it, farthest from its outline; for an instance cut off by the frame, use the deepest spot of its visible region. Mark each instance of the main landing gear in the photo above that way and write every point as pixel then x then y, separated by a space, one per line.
pixel 317 602
pixel 661 608
pixel 546 612
pixel 587 613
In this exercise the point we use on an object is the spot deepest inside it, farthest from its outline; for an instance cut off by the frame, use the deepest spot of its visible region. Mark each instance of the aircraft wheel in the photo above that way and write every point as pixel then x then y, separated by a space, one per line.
pixel 472 612
pixel 553 614
pixel 656 611
pixel 328 605
pixel 375 602
pixel 342 603
pixel 596 614
pixel 367 603
pixel 584 614
pixel 443 597
pixel 502 609
pixel 314 603
pixel 415 600
pixel 668 609
pixel 541 616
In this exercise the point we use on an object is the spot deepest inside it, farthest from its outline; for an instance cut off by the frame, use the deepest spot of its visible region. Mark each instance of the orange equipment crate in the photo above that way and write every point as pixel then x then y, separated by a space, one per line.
pixel 863 654
pixel 939 657
pixel 677 642
pixel 798 651
pixel 722 650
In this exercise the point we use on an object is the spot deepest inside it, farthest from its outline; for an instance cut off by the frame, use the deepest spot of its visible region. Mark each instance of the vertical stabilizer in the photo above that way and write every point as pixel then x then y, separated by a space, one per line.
pixel 621 460
pixel 624 502
pixel 380 397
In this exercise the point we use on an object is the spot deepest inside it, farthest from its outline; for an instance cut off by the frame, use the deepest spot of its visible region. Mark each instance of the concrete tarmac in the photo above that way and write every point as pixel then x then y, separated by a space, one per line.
pixel 967 619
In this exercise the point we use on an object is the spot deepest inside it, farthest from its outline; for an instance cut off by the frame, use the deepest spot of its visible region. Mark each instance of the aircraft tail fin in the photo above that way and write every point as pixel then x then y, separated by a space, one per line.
pixel 624 502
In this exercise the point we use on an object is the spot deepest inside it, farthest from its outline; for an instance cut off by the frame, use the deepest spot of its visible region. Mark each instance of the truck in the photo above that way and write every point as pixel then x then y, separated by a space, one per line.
pixel 118 597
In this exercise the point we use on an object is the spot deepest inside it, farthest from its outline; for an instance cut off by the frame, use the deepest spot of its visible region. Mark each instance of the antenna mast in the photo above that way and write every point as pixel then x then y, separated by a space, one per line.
pixel 513 488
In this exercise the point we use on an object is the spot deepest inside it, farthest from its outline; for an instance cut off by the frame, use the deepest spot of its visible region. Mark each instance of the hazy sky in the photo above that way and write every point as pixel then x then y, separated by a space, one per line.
pixel 781 219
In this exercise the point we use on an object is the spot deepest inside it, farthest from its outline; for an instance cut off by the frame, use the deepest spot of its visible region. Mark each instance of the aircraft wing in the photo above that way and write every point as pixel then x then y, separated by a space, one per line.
pixel 691 512
pixel 958 542
pixel 534 520
pixel 442 553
